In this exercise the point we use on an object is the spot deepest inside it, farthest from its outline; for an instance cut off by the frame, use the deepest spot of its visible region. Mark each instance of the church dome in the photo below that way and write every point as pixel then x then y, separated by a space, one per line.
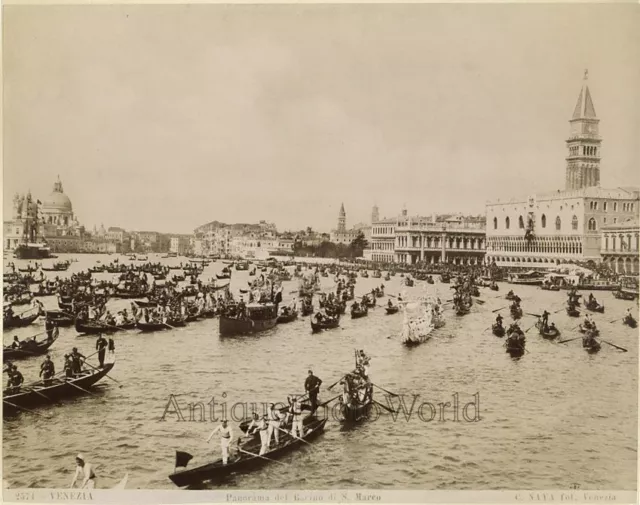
pixel 57 200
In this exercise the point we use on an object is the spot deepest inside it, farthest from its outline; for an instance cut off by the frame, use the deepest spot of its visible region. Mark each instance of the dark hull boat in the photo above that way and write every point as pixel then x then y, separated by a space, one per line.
pixel 221 277
pixel 60 317
pixel 143 326
pixel 121 293
pixel 583 329
pixel 242 462
pixel 461 310
pixel 32 252
pixel 552 287
pixel 549 333
pixel 516 313
pixel 40 394
pixel 288 318
pixel 29 350
pixel 573 312
pixel 355 314
pixel 18 322
pixel 392 310
pixel 624 295
pixel 515 345
pixel 595 307
pixel 233 326
pixel 630 321
pixel 325 325
pixel 592 346
pixel 96 327
pixel 498 330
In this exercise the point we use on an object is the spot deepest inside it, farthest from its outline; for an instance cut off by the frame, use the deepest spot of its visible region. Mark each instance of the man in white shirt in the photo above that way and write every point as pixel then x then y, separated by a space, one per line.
pixel 262 426
pixel 274 424
pixel 226 435
pixel 85 469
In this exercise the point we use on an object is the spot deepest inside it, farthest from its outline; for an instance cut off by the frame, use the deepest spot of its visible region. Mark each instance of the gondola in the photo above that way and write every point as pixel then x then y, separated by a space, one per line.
pixel 595 307
pixel 123 293
pixel 359 404
pixel 573 312
pixel 242 462
pixel 18 322
pixel 550 287
pixel 494 287
pixel 515 344
pixel 143 304
pixel 630 321
pixel 371 302
pixel 408 282
pixel 462 309
pixel 223 276
pixel 516 312
pixel 623 295
pixel 292 316
pixel 325 325
pixel 38 394
pixel 89 327
pixel 392 310
pixel 498 330
pixel 151 326
pixel 31 348
pixel 60 317
pixel 360 312
pixel 550 333
pixel 510 295
pixel 592 346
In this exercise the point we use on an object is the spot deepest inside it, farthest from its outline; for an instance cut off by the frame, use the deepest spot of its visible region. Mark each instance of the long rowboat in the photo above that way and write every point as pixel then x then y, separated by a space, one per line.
pixel 40 394
pixel 241 461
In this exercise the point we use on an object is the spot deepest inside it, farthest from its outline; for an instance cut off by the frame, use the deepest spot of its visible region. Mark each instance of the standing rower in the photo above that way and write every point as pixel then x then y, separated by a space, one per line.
pixel 312 387
pixel 296 426
pixel 226 434
pixel 274 424
pixel 101 347
pixel 47 370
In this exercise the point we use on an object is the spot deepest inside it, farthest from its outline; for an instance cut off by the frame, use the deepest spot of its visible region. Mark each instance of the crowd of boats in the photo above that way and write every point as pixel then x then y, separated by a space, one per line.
pixel 162 299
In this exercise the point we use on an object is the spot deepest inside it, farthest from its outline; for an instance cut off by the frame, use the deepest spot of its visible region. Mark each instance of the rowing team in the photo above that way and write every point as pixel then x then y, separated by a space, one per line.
pixel 272 423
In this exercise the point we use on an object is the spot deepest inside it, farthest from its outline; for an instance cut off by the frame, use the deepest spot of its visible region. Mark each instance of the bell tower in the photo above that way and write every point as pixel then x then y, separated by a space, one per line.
pixel 342 220
pixel 583 144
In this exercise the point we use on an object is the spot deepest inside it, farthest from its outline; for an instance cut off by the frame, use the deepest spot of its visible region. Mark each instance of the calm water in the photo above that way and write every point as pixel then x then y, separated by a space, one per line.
pixel 555 418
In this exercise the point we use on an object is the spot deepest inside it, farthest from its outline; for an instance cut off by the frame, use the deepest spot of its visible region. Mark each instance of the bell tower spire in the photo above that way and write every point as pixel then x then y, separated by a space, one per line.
pixel 583 144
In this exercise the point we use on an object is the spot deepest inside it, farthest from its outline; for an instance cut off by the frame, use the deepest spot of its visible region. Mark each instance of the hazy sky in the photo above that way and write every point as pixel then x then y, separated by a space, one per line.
pixel 166 117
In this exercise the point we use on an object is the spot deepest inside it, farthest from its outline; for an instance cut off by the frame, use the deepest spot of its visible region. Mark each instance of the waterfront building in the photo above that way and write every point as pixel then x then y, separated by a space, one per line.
pixel 546 229
pixel 440 239
pixel 443 238
pixel 179 244
pixel 620 246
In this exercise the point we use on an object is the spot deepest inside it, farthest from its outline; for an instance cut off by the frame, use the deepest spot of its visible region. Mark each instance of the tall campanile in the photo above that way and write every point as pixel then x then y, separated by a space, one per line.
pixel 583 144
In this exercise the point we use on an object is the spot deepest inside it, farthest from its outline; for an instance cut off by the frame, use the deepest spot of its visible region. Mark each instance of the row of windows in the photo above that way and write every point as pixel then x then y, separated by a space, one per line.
pixel 382 246
pixel 626 243
pixel 557 246
pixel 543 222
pixel 626 206
pixel 586 151
pixel 382 230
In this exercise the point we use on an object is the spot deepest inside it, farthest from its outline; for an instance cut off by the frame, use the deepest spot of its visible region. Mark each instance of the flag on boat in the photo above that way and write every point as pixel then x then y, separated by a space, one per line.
pixel 183 458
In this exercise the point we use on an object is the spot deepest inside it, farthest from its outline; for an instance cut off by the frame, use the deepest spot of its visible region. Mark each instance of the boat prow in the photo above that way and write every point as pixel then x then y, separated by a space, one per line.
pixel 123 483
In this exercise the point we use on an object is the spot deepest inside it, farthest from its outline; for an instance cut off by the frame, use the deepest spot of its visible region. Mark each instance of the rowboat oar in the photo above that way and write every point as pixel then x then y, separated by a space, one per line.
pixel 382 389
pixel 613 345
pixel 25 409
pixel 559 310
pixel 328 401
pixel 70 383
pixel 169 326
pixel 258 456
pixel 531 314
pixel 384 407
pixel 501 308
pixel 616 319
pixel 336 382
pixel 106 375
pixel 527 330
pixel 568 340
pixel 43 395
pixel 293 436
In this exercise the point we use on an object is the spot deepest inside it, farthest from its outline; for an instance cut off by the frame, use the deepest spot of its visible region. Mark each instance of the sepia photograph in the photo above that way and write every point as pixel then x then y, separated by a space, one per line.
pixel 320 252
